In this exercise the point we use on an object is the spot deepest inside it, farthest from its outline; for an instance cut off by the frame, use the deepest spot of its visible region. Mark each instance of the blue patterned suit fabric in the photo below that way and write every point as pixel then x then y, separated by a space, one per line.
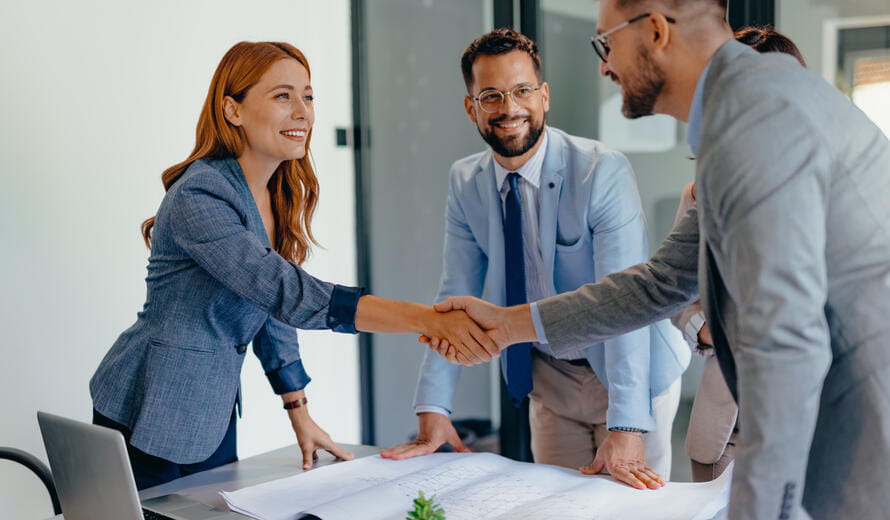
pixel 214 285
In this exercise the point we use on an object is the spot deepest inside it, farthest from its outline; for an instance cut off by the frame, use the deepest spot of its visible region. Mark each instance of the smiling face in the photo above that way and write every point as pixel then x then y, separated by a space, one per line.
pixel 514 129
pixel 629 64
pixel 275 115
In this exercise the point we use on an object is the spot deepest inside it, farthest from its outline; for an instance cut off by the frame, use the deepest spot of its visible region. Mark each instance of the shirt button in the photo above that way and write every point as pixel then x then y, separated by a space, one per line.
pixel 241 349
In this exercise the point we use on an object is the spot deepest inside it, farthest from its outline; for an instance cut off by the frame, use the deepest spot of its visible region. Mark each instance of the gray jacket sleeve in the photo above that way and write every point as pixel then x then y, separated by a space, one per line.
pixel 690 320
pixel 627 300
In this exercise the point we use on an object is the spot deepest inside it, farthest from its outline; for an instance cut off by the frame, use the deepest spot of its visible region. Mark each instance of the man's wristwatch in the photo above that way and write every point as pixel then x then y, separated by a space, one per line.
pixel 626 429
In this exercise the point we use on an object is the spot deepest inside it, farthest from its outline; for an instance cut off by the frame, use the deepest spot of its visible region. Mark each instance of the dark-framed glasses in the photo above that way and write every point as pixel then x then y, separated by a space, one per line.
pixel 491 100
pixel 600 42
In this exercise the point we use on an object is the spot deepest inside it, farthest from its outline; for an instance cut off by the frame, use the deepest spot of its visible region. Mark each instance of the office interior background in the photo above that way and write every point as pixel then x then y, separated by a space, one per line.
pixel 99 97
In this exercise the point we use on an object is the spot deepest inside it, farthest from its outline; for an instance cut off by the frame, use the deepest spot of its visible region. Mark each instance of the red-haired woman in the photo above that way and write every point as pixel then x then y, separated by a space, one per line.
pixel 224 271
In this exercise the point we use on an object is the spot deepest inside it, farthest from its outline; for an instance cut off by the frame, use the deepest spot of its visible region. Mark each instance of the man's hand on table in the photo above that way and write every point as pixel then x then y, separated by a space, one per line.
pixel 434 430
pixel 623 455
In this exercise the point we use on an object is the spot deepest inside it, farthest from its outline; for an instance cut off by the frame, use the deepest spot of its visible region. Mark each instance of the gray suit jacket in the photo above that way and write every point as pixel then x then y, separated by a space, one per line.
pixel 214 285
pixel 793 188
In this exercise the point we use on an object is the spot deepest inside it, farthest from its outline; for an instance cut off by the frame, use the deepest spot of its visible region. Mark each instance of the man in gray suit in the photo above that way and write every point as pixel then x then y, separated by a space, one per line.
pixel 713 431
pixel 792 183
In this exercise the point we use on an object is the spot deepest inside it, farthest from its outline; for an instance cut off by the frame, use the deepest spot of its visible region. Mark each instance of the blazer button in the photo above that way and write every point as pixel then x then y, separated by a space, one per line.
pixel 241 349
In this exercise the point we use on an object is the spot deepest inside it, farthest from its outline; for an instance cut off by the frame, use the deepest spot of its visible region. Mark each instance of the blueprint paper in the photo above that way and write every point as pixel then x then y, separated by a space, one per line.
pixel 473 486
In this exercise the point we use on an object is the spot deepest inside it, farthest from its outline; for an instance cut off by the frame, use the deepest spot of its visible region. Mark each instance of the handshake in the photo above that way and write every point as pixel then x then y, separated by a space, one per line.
pixel 467 331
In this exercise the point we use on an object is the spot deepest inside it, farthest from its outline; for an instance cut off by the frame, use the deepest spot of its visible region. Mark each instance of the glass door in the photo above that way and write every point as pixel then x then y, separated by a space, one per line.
pixel 415 127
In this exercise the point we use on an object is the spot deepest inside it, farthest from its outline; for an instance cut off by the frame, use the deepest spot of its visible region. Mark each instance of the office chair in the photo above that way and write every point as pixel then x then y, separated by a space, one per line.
pixel 39 468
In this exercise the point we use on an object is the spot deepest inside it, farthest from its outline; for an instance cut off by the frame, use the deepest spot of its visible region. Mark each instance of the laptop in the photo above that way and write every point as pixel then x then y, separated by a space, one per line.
pixel 94 480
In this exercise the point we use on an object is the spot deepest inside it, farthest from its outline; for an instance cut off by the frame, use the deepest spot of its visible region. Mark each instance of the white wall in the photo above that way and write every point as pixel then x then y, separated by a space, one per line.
pixel 97 98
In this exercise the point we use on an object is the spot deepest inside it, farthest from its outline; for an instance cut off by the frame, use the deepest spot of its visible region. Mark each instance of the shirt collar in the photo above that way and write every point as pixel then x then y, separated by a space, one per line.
pixel 693 132
pixel 530 171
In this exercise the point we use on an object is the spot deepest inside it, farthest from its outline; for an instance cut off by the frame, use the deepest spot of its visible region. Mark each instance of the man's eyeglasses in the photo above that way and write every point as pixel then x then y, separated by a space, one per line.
pixel 491 100
pixel 599 41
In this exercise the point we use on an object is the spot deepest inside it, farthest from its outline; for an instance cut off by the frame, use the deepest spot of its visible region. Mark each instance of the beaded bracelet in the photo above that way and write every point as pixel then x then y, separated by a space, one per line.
pixel 288 405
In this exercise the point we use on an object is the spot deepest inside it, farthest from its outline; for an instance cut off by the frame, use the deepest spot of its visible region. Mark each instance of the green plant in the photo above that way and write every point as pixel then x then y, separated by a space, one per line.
pixel 426 509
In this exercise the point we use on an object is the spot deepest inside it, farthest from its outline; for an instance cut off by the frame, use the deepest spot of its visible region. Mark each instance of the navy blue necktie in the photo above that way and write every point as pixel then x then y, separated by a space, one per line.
pixel 518 359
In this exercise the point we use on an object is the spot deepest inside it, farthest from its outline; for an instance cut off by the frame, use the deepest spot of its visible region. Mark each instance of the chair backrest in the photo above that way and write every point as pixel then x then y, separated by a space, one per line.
pixel 39 468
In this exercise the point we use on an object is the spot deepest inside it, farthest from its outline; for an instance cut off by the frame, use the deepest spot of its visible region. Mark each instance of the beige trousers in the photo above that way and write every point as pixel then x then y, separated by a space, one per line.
pixel 567 414
pixel 708 472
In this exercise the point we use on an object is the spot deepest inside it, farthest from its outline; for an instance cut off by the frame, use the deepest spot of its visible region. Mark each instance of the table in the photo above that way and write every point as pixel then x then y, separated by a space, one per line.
pixel 272 465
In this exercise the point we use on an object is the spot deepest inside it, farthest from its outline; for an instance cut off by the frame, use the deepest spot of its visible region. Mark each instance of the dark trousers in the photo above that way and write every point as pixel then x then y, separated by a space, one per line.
pixel 150 471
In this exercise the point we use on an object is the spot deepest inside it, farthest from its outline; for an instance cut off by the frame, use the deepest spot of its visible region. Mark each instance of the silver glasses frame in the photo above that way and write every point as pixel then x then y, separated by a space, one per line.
pixel 503 94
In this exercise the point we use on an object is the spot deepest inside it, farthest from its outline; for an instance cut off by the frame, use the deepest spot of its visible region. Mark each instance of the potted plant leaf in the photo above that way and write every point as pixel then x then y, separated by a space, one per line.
pixel 426 509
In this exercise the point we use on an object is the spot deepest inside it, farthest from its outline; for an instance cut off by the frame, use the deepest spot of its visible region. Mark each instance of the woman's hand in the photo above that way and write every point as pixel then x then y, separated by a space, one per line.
pixel 504 325
pixel 471 344
pixel 310 436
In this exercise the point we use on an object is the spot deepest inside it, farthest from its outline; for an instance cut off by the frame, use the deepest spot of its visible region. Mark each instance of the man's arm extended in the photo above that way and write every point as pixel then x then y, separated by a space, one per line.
pixel 620 302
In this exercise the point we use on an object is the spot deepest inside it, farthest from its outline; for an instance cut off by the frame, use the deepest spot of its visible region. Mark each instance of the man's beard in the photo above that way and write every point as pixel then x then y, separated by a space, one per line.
pixel 642 91
pixel 515 146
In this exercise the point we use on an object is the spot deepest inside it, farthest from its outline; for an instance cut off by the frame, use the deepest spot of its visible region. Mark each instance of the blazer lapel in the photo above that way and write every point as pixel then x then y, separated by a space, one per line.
pixel 254 220
pixel 490 200
pixel 713 293
pixel 550 189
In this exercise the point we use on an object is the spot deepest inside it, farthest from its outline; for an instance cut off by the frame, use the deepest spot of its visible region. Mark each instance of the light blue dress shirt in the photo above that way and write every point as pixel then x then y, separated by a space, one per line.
pixel 693 131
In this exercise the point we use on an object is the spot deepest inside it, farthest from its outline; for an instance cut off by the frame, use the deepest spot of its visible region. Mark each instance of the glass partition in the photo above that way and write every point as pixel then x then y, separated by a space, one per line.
pixel 417 128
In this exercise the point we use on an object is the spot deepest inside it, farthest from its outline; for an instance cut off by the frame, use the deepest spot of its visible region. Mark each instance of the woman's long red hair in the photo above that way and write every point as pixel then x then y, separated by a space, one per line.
pixel 293 186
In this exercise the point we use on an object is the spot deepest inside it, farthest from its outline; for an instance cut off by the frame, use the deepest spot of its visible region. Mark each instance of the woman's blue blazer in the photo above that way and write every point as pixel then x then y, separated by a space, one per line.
pixel 214 285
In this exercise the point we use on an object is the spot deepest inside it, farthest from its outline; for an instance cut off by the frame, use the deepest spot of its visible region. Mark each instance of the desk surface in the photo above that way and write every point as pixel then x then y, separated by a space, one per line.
pixel 272 465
